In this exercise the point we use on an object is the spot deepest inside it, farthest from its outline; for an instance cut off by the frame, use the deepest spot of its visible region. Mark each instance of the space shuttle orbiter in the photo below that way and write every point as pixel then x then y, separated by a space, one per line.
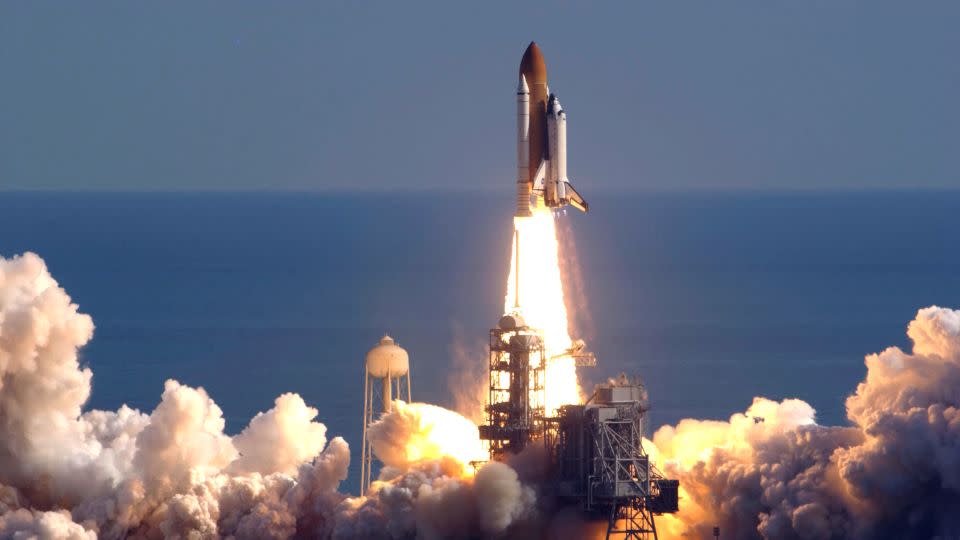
pixel 541 141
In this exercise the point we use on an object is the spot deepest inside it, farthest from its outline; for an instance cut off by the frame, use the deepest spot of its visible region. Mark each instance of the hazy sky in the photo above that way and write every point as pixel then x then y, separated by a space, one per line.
pixel 356 95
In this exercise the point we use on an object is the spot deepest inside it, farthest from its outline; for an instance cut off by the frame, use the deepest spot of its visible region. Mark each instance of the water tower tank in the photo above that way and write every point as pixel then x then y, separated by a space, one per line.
pixel 386 376
pixel 387 359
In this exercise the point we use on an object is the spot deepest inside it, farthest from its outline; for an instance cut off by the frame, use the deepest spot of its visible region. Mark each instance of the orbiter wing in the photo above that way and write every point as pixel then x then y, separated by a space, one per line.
pixel 574 199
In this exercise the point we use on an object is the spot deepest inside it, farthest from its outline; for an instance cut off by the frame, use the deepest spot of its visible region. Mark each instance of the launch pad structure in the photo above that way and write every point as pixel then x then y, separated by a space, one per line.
pixel 595 449
pixel 516 402
pixel 601 462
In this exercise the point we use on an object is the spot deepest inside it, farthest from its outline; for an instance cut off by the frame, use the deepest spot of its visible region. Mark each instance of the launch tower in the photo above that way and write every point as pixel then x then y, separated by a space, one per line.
pixel 516 400
pixel 602 466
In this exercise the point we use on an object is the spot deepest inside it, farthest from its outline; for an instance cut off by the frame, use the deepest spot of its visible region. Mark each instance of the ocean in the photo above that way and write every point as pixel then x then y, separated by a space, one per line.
pixel 712 298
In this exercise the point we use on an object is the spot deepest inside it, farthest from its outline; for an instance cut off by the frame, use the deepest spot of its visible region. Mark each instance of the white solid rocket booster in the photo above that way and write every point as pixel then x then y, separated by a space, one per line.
pixel 554 151
pixel 561 123
pixel 523 151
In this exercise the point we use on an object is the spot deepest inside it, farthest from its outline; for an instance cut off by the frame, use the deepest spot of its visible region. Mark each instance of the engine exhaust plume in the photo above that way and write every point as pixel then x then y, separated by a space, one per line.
pixel 535 289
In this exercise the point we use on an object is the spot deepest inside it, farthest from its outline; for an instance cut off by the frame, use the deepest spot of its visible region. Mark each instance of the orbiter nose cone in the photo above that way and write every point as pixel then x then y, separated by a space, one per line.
pixel 532 65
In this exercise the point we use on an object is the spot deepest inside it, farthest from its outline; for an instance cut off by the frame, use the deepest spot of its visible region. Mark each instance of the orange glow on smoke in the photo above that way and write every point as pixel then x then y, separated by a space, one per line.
pixel 441 434
pixel 541 302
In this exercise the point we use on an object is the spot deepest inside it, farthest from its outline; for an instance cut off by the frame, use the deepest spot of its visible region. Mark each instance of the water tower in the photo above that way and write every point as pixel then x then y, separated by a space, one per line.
pixel 386 377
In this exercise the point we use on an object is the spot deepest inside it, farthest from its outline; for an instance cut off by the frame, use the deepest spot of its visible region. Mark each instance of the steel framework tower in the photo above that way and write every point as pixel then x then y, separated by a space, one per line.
pixel 602 463
pixel 517 398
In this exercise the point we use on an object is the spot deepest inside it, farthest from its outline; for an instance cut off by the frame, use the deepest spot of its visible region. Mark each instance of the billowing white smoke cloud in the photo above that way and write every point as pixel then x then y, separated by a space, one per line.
pixel 427 488
pixel 894 473
pixel 31 524
pixel 293 436
pixel 435 499
pixel 174 473
pixel 42 387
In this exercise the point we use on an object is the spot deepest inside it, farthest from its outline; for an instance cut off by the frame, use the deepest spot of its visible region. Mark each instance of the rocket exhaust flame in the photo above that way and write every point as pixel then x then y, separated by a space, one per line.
pixel 535 290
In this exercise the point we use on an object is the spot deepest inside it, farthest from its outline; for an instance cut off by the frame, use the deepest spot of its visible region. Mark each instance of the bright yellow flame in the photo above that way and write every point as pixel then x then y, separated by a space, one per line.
pixel 414 433
pixel 541 301
pixel 686 451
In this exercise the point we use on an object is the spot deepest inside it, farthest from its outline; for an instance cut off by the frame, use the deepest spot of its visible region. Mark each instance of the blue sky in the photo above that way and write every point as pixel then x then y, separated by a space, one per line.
pixel 419 96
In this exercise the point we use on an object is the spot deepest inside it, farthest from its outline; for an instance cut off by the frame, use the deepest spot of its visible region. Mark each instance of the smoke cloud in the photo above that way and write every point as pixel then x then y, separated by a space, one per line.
pixel 772 472
pixel 769 472
pixel 416 432
pixel 174 473
pixel 469 380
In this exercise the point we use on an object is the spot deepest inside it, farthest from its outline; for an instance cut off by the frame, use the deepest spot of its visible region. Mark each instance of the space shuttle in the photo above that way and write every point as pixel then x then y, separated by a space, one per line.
pixel 541 141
